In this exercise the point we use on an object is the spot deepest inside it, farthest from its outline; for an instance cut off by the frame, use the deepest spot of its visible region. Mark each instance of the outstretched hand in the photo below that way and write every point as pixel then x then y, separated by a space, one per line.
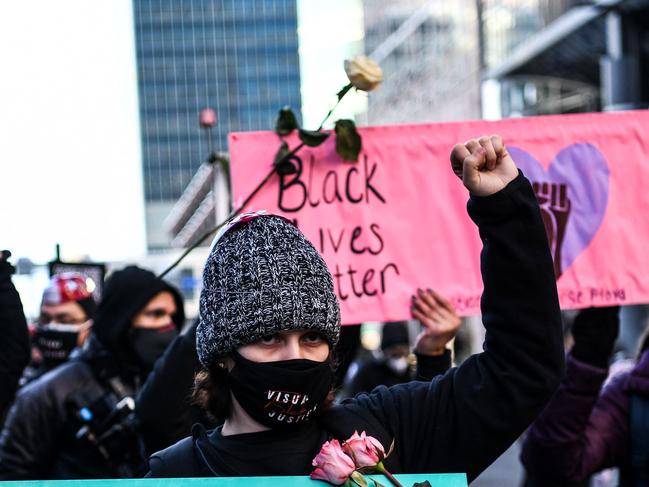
pixel 439 319
pixel 484 165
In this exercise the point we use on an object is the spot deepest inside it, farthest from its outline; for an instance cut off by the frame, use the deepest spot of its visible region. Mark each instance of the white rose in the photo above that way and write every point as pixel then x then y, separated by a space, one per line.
pixel 363 73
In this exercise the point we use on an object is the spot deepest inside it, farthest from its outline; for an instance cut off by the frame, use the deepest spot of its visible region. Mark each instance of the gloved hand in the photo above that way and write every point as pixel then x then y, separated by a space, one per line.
pixel 6 269
pixel 595 331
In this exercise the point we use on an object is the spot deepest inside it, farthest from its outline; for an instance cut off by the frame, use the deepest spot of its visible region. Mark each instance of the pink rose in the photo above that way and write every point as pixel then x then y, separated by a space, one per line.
pixel 207 118
pixel 332 464
pixel 366 451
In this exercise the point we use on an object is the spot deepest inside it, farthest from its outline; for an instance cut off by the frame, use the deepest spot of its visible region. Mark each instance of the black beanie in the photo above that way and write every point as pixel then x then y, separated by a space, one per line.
pixel 395 334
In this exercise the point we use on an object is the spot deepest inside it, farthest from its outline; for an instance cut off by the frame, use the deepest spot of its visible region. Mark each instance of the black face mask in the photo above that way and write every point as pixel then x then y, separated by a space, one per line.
pixel 150 343
pixel 280 394
pixel 55 344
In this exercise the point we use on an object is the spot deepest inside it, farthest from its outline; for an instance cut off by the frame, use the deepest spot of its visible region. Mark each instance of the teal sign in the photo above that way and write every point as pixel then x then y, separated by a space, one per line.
pixel 407 480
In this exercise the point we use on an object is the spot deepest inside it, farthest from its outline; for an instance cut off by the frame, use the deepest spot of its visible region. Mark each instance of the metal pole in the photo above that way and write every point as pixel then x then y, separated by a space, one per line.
pixel 481 50
pixel 216 169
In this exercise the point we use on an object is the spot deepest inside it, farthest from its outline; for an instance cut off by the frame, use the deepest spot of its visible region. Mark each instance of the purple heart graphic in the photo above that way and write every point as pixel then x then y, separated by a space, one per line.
pixel 572 194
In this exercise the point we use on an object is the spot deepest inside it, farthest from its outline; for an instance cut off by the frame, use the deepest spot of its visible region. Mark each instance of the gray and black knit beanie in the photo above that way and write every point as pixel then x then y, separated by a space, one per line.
pixel 260 278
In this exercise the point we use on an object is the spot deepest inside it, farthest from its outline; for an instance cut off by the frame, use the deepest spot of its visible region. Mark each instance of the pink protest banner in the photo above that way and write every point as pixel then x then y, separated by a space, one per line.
pixel 396 220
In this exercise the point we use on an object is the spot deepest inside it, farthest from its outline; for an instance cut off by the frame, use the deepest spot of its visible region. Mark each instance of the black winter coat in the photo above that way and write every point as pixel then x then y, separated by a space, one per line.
pixel 38 440
pixel 14 338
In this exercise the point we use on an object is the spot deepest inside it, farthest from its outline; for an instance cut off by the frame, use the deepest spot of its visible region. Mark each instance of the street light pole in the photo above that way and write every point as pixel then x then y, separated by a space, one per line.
pixel 207 120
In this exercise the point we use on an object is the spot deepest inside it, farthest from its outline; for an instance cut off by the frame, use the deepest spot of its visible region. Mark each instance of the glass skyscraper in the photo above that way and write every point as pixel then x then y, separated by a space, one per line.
pixel 238 57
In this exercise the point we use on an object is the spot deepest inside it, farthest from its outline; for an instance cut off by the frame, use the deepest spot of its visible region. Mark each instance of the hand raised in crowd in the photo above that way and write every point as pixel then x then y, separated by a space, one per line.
pixel 484 165
pixel 439 319
pixel 595 331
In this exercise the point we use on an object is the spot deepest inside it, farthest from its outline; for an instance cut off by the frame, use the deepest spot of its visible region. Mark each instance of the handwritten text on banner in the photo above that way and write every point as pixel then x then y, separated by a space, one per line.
pixel 396 220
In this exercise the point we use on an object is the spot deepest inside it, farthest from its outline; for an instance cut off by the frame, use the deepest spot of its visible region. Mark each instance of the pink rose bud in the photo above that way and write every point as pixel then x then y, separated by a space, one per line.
pixel 207 118
pixel 332 465
pixel 366 451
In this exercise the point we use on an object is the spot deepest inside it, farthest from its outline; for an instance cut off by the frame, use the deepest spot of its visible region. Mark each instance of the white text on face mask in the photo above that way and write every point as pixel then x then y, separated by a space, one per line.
pixel 288 418
pixel 288 407
pixel 286 397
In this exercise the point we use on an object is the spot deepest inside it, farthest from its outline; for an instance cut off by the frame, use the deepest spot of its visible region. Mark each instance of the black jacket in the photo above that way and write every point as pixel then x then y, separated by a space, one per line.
pixel 461 421
pixel 14 338
pixel 39 441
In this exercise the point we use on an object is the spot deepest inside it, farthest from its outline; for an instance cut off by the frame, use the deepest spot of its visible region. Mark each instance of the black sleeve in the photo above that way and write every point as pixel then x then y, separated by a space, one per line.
pixel 28 438
pixel 429 366
pixel 163 407
pixel 463 420
pixel 14 344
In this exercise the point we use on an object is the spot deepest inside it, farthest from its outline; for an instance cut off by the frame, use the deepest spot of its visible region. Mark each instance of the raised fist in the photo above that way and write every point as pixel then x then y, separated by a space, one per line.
pixel 484 165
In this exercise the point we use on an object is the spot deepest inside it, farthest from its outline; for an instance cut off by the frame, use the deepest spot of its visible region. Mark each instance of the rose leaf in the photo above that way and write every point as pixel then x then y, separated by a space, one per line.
pixel 348 141
pixel 312 138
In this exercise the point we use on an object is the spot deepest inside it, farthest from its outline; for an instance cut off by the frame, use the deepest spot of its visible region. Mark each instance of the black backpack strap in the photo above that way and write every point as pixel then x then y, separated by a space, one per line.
pixel 639 427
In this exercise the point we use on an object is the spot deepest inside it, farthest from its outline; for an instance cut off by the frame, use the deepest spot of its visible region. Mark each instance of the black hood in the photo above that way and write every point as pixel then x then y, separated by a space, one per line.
pixel 125 293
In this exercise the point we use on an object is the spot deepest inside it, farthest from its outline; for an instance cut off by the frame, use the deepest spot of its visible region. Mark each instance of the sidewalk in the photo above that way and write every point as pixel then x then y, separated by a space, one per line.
pixel 504 472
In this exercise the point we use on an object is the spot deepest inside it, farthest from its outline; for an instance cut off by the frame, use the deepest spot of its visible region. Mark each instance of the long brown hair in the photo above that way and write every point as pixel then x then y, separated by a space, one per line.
pixel 212 393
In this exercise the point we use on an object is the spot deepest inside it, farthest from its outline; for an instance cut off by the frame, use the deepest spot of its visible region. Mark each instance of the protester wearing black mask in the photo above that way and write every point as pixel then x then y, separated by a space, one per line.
pixel 67 310
pixel 77 421
pixel 270 320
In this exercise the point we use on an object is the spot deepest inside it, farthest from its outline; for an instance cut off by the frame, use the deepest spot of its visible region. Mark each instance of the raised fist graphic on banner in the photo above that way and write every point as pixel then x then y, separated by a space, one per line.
pixel 572 194
pixel 555 209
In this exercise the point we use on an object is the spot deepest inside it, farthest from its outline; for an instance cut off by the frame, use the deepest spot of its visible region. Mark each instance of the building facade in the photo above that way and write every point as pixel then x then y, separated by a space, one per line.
pixel 564 56
pixel 429 52
pixel 238 57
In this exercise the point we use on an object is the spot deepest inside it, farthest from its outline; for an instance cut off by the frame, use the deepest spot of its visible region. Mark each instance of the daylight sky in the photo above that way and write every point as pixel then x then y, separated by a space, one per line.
pixel 70 163
pixel 70 160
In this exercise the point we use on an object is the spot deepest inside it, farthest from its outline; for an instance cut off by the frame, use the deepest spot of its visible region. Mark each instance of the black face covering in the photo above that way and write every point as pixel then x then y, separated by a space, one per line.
pixel 55 343
pixel 280 394
pixel 150 343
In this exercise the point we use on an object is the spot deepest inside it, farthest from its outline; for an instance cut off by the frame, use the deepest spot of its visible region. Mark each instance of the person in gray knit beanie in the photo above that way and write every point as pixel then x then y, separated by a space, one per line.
pixel 269 322
pixel 262 277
